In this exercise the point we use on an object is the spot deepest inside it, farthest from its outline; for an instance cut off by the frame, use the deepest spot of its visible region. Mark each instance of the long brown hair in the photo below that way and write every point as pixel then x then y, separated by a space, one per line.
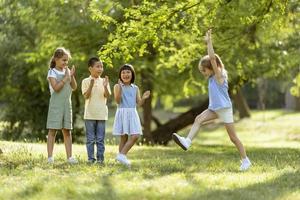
pixel 58 53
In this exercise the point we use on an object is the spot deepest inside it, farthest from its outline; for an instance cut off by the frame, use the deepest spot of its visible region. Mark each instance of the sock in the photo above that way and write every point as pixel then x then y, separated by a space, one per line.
pixel 245 159
pixel 189 141
pixel 194 130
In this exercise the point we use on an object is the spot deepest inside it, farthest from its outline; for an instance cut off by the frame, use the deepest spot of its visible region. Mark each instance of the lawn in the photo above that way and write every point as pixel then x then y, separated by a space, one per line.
pixel 209 170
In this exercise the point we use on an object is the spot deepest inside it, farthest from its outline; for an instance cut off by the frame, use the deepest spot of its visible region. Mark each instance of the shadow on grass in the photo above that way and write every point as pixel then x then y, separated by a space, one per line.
pixel 210 158
pixel 157 162
pixel 31 190
pixel 105 190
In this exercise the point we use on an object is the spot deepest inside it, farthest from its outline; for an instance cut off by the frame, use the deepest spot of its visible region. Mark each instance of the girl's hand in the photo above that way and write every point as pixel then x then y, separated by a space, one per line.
pixel 146 94
pixel 120 82
pixel 208 35
pixel 105 82
pixel 72 71
pixel 67 74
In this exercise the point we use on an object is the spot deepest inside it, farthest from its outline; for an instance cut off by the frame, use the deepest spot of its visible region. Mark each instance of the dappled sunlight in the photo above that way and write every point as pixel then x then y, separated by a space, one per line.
pixel 208 170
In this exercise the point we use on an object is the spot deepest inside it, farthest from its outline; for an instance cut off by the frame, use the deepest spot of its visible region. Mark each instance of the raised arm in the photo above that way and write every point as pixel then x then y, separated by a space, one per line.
pixel 72 77
pixel 213 58
pixel 140 100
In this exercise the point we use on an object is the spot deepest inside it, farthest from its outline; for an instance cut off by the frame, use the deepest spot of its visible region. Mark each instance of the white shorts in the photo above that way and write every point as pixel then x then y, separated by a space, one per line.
pixel 225 115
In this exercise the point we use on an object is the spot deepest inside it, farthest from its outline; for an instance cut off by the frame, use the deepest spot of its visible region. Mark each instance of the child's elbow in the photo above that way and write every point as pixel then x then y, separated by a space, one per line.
pixel 106 95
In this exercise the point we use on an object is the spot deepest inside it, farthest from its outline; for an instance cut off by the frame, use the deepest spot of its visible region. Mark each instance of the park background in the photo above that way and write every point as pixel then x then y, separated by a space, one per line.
pixel 259 44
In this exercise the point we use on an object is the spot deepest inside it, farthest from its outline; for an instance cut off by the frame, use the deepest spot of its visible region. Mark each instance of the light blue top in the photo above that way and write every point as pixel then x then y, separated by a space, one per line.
pixel 128 99
pixel 218 94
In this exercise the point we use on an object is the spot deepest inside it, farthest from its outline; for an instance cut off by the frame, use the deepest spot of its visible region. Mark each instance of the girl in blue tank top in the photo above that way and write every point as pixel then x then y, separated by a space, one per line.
pixel 127 122
pixel 220 105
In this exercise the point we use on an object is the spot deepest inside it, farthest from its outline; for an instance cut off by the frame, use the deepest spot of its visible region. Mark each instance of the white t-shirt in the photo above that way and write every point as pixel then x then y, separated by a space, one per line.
pixel 53 73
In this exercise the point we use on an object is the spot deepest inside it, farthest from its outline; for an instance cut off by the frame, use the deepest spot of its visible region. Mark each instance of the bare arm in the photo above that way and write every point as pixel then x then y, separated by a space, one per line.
pixel 87 94
pixel 213 59
pixel 140 100
pixel 57 85
pixel 118 92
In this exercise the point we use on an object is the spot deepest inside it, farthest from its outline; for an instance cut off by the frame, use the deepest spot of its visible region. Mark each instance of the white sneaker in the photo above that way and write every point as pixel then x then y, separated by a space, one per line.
pixel 245 164
pixel 123 159
pixel 184 143
pixel 50 160
pixel 72 160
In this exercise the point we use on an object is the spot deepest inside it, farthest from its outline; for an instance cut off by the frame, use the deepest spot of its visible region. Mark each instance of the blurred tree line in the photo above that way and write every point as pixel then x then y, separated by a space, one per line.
pixel 258 42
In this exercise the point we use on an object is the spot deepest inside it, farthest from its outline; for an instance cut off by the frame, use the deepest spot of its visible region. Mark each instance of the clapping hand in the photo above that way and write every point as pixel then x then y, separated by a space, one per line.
pixel 72 71
pixel 146 94
pixel 106 81
pixel 92 82
pixel 67 74
pixel 120 82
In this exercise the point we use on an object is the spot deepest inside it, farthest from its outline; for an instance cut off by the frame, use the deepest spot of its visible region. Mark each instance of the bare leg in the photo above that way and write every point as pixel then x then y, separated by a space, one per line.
pixel 130 142
pixel 68 142
pixel 235 140
pixel 123 140
pixel 50 142
pixel 205 116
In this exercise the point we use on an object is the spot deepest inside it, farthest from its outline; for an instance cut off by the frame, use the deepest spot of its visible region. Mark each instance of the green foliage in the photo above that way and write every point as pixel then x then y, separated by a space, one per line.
pixel 162 39
pixel 170 35
pixel 27 43
pixel 295 90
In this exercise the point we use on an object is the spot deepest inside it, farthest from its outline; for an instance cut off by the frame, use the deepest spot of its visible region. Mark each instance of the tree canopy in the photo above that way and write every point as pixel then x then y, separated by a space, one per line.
pixel 162 39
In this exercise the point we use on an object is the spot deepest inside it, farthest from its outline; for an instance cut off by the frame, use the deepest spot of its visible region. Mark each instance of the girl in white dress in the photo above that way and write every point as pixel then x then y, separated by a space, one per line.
pixel 127 122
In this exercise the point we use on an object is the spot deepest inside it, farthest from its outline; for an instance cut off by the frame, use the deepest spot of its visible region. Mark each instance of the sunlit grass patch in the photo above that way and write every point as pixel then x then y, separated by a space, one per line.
pixel 209 170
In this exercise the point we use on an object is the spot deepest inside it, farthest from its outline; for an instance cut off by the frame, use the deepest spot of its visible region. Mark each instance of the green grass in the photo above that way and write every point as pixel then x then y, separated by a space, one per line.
pixel 208 171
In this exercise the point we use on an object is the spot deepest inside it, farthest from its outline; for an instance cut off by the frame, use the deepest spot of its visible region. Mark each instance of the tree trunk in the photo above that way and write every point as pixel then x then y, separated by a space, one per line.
pixel 241 104
pixel 262 86
pixel 147 108
pixel 291 102
pixel 163 134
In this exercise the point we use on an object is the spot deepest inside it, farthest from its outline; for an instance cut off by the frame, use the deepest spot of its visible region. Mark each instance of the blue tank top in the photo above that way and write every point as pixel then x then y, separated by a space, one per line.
pixel 128 99
pixel 218 94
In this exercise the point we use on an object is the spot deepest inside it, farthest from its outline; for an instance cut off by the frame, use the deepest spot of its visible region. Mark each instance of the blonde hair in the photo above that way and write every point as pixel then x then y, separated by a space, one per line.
pixel 205 62
pixel 58 53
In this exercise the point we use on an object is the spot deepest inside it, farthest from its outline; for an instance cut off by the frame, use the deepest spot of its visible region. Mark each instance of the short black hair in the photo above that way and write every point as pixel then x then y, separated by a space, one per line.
pixel 128 67
pixel 92 61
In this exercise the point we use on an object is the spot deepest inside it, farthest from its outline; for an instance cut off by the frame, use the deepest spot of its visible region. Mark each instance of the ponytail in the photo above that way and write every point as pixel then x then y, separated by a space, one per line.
pixel 52 63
